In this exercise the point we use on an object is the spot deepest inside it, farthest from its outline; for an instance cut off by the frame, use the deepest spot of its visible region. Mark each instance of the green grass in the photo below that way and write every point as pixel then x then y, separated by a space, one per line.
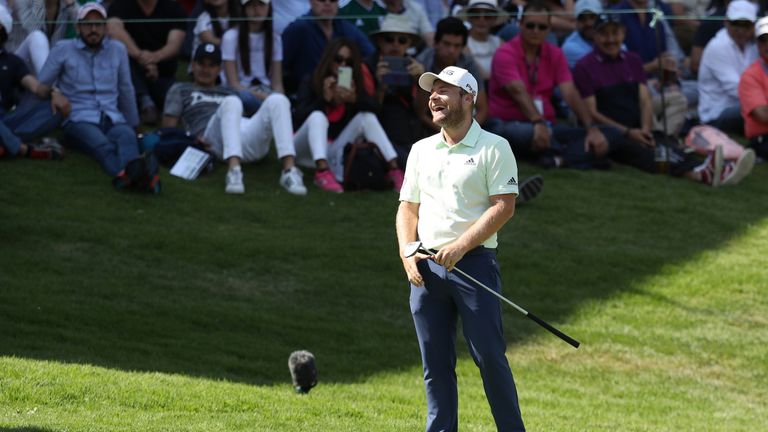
pixel 125 312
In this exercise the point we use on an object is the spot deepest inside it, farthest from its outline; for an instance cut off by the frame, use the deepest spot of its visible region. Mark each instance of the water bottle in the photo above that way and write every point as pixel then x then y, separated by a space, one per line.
pixel 661 156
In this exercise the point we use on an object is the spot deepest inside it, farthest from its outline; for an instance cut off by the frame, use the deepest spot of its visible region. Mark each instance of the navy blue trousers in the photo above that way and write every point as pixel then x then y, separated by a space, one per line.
pixel 436 307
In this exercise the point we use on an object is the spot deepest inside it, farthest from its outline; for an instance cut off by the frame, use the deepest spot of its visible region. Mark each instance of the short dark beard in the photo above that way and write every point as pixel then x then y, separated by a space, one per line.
pixel 89 45
pixel 454 118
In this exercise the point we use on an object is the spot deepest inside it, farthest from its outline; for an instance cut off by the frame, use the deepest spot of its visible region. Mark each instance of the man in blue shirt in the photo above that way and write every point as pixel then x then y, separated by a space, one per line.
pixel 305 39
pixel 579 43
pixel 93 75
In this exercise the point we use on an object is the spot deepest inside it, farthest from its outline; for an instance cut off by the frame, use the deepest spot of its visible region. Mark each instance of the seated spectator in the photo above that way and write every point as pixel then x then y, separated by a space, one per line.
pixel 613 85
pixel 92 73
pixel 579 43
pixel 450 42
pixel 364 14
pixel 706 31
pixel 332 116
pixel 753 94
pixel 685 29
pixel 26 120
pixel 724 60
pixel 562 19
pixel 306 38
pixel 153 32
pixel 39 25
pixel 416 14
pixel 214 21
pixel 214 114
pixel 253 56
pixel 524 74
pixel 483 16
pixel 395 89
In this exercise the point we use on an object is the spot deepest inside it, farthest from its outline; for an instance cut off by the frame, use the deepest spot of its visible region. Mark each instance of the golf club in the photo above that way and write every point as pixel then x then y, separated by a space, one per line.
pixel 413 248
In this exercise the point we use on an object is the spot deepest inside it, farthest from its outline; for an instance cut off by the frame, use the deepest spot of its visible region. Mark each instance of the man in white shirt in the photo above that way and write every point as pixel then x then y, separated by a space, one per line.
pixel 724 59
pixel 415 12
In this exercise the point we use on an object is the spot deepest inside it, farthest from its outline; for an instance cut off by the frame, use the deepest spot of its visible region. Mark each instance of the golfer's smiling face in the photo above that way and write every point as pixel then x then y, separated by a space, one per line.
pixel 445 103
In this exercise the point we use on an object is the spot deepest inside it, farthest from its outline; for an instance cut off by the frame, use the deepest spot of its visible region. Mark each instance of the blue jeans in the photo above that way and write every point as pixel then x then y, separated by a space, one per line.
pixel 112 145
pixel 729 121
pixel 251 103
pixel 30 120
pixel 436 307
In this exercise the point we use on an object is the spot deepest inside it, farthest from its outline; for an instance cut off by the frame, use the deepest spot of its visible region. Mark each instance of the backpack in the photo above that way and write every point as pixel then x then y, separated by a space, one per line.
pixel 365 167
pixel 703 139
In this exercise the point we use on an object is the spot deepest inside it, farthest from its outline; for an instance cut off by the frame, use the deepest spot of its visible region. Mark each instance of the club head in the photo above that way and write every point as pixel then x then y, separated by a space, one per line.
pixel 412 249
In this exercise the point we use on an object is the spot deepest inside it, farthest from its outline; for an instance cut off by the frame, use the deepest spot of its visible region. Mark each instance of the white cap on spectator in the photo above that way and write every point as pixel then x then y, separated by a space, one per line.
pixel 761 27
pixel 490 5
pixel 453 75
pixel 88 7
pixel 587 6
pixel 741 10
pixel 6 20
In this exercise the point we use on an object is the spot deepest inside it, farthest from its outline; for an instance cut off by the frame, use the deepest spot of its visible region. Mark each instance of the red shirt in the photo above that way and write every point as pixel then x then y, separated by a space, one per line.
pixel 540 78
pixel 753 92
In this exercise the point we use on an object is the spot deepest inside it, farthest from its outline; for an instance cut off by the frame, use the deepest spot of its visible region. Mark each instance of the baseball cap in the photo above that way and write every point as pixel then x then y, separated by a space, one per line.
pixel 208 51
pixel 453 75
pixel 761 27
pixel 6 20
pixel 585 6
pixel 741 10
pixel 88 7
pixel 605 19
pixel 243 2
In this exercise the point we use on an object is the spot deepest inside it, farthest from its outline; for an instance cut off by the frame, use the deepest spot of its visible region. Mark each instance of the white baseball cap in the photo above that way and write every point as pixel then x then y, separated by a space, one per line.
pixel 587 6
pixel 761 27
pixel 89 7
pixel 6 20
pixel 453 75
pixel 741 10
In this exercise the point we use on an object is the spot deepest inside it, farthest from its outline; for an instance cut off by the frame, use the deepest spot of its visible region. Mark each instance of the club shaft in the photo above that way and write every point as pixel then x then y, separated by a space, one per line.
pixel 501 297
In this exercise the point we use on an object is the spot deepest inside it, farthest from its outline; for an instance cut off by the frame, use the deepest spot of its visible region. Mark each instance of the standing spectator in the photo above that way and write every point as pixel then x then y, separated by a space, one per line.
pixel 332 116
pixel 92 73
pixel 483 16
pixel 366 15
pixel 416 14
pixel 724 60
pixel 613 85
pixel 450 43
pixel 214 114
pixel 214 21
pixel 579 43
pixel 153 32
pixel 39 25
pixel 26 120
pixel 306 38
pixel 524 74
pixel 253 56
pixel 753 94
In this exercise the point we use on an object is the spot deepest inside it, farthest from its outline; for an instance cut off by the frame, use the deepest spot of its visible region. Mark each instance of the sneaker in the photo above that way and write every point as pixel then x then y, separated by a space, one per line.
pixel 735 172
pixel 396 176
pixel 235 181
pixel 327 182
pixel 530 188
pixel 712 169
pixel 292 181
pixel 49 148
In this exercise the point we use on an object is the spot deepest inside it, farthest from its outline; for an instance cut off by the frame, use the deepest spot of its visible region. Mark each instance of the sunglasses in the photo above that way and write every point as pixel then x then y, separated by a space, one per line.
pixel 340 59
pixel 742 24
pixel 402 40
pixel 481 14
pixel 540 27
pixel 586 17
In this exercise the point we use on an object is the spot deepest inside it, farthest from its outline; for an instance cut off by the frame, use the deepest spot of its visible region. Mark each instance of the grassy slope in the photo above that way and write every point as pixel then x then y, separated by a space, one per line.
pixel 178 312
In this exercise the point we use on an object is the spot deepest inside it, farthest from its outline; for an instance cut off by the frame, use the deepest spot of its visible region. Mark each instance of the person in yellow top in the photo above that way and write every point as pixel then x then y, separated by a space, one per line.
pixel 459 190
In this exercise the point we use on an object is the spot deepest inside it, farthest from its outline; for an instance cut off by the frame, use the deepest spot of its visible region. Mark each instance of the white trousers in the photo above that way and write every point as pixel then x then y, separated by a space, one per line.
pixel 34 51
pixel 312 141
pixel 231 135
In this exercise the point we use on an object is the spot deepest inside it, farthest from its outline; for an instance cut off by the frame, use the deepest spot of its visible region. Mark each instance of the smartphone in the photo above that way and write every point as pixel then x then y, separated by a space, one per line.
pixel 398 71
pixel 345 76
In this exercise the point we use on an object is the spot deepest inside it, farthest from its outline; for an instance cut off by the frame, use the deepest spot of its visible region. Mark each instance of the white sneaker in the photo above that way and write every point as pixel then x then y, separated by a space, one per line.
pixel 234 181
pixel 292 181
pixel 741 168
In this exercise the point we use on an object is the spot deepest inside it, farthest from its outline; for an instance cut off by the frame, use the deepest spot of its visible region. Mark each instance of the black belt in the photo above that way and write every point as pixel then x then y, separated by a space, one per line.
pixel 479 249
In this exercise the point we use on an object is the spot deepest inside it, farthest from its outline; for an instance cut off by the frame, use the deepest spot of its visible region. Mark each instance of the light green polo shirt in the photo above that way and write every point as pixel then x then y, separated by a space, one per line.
pixel 452 184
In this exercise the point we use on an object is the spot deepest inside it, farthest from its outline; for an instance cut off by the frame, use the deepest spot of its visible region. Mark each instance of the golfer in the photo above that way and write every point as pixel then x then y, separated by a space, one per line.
pixel 459 190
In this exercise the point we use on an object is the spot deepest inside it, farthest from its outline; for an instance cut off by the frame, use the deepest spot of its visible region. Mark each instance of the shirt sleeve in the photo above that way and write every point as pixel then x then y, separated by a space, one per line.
pixel 176 11
pixel 582 80
pixel 560 66
pixel 229 45
pixel 501 175
pixel 504 66
pixel 202 24
pixel 52 67
pixel 751 95
pixel 410 190
pixel 173 101
pixel 723 68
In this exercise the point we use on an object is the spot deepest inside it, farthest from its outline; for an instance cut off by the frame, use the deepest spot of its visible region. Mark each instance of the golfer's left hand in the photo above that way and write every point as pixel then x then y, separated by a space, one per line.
pixel 449 255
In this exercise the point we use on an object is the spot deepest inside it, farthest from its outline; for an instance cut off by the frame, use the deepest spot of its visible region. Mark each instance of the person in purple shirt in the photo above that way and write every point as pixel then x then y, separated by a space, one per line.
pixel 613 85
pixel 304 40
pixel 92 75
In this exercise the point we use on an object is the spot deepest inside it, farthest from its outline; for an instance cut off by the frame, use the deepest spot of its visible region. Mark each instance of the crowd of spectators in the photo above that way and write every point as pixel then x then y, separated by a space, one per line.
pixel 569 84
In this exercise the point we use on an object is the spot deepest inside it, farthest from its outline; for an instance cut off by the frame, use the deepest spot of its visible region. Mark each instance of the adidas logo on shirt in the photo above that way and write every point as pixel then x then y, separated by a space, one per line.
pixel 512 182
pixel 470 161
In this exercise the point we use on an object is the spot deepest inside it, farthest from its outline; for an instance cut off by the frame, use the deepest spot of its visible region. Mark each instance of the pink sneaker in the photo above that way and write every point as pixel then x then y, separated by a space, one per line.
pixel 327 182
pixel 397 177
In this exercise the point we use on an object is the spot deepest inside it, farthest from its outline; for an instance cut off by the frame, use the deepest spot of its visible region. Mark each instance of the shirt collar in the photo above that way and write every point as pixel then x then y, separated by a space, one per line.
pixel 469 140
pixel 605 59
pixel 81 45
